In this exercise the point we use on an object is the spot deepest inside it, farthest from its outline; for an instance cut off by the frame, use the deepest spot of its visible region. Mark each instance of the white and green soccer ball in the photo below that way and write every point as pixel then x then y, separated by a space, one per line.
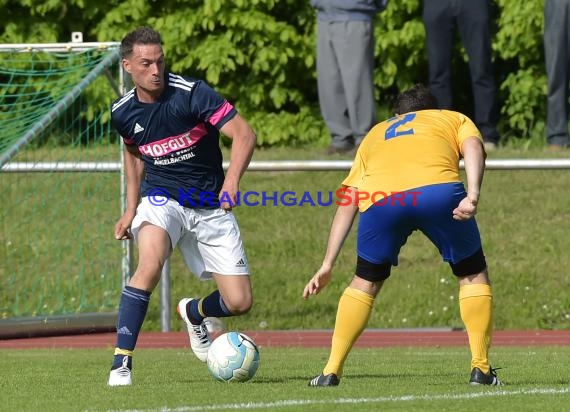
pixel 233 357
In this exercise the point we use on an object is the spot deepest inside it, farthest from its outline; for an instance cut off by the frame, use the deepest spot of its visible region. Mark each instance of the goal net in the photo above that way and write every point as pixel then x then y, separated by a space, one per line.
pixel 60 182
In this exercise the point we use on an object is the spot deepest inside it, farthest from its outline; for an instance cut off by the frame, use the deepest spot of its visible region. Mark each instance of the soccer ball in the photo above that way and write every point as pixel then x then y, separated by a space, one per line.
pixel 233 357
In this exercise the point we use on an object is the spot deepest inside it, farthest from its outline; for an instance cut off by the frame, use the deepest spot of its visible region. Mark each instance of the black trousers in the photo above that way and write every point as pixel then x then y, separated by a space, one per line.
pixel 471 18
pixel 557 56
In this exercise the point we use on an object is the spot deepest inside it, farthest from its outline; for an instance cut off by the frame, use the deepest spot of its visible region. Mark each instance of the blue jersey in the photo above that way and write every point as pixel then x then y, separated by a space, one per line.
pixel 178 139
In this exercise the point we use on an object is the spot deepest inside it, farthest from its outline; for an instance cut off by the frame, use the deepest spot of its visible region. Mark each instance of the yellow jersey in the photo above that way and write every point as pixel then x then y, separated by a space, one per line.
pixel 408 151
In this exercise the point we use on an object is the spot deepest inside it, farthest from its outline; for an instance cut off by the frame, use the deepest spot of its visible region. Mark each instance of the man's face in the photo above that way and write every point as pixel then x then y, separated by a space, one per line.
pixel 146 67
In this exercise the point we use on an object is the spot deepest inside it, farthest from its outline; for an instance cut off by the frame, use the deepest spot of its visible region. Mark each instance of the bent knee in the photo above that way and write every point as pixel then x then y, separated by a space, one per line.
pixel 239 306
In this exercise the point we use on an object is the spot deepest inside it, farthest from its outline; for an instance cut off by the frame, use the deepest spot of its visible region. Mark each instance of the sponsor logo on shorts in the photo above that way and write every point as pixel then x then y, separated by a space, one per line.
pixel 240 263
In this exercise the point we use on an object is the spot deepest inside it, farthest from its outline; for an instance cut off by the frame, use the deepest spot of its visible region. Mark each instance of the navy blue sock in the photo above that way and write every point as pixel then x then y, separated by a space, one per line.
pixel 212 305
pixel 132 311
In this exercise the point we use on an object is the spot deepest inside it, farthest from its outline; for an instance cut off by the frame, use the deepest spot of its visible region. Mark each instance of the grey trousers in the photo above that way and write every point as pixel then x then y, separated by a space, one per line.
pixel 345 69
pixel 557 59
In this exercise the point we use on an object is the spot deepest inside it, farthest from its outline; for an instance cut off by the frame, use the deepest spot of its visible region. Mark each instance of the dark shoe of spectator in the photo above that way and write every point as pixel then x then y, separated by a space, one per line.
pixel 338 150
pixel 557 147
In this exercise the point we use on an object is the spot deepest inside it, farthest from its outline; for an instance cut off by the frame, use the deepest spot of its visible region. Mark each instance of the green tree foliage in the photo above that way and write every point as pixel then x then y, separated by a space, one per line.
pixel 520 51
pixel 260 54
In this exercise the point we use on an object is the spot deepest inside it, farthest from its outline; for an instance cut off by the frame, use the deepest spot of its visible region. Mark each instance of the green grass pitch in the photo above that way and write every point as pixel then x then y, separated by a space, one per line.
pixel 388 379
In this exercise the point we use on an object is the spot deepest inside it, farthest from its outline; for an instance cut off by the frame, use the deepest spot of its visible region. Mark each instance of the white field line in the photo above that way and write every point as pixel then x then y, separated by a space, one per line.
pixel 355 401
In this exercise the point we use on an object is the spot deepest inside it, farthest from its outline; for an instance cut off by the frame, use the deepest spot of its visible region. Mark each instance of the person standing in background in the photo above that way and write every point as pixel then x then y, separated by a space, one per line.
pixel 345 69
pixel 473 22
pixel 557 55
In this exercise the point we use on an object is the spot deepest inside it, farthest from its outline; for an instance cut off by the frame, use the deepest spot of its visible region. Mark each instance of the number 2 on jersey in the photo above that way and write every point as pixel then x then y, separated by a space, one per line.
pixel 396 130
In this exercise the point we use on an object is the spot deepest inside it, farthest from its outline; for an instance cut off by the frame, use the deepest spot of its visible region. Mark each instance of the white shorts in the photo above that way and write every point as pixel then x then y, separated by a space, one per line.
pixel 209 239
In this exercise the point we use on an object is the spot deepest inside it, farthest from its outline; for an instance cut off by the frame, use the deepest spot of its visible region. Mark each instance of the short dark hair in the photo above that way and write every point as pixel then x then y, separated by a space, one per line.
pixel 142 35
pixel 417 98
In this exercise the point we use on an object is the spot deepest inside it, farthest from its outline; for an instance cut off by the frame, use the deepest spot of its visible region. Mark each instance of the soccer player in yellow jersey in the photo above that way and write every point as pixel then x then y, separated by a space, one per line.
pixel 405 177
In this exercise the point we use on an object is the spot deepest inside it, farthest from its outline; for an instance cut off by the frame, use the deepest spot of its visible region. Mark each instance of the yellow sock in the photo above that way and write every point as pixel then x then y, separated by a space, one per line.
pixel 476 308
pixel 354 308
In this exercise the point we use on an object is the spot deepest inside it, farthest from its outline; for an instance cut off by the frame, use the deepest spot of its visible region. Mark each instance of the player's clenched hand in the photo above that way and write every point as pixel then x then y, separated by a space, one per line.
pixel 466 209
pixel 317 282
pixel 123 225
pixel 228 196
pixel 228 201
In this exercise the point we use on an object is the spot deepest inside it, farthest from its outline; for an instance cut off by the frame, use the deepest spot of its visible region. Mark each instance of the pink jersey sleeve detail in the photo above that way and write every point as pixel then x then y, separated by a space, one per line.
pixel 220 113
pixel 128 141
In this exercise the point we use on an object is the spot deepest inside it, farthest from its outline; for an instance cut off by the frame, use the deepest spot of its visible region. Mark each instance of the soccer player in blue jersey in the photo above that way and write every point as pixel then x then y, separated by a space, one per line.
pixel 178 194
pixel 415 154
